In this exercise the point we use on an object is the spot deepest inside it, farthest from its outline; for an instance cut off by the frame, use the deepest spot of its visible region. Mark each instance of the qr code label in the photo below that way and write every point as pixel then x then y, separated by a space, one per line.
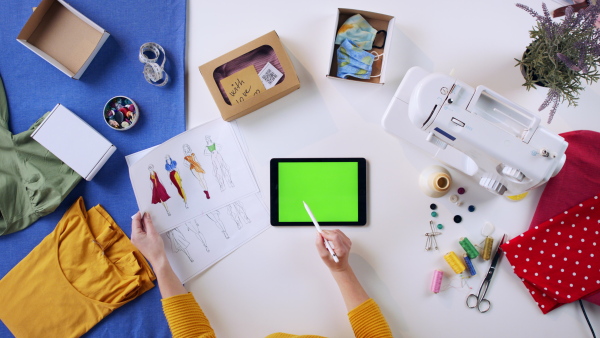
pixel 269 75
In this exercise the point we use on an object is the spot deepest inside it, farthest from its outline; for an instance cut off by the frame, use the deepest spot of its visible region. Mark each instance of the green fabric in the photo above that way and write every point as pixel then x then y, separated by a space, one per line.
pixel 33 182
pixel 212 147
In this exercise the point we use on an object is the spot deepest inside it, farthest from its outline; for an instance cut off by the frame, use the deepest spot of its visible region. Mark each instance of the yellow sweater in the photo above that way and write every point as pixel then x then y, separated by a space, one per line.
pixel 186 319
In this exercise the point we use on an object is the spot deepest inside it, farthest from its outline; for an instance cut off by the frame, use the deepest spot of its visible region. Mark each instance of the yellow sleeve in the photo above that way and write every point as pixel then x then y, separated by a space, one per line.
pixel 185 317
pixel 368 321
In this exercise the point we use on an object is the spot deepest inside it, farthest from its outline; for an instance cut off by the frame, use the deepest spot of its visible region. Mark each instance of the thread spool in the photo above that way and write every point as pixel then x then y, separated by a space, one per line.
pixel 469 247
pixel 487 248
pixel 436 281
pixel 455 263
pixel 469 264
pixel 435 181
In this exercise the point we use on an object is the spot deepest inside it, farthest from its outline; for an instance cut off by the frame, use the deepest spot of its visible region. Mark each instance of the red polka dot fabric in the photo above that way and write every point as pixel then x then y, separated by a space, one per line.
pixel 576 182
pixel 558 260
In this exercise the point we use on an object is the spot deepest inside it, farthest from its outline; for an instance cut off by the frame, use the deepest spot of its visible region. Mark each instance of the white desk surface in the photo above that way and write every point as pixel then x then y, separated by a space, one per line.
pixel 277 282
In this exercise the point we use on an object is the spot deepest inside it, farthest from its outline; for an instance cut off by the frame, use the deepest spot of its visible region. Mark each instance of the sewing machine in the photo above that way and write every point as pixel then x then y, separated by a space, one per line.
pixel 475 130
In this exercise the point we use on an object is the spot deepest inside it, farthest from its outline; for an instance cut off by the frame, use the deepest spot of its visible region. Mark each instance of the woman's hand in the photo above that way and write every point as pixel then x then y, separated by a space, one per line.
pixel 340 244
pixel 145 237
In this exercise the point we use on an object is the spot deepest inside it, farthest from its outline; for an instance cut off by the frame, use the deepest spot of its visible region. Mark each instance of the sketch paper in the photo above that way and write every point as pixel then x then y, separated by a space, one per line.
pixel 209 229
pixel 198 243
pixel 198 171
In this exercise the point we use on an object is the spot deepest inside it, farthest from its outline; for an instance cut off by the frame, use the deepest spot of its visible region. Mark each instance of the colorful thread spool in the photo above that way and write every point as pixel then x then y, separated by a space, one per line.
pixel 487 248
pixel 469 248
pixel 455 263
pixel 436 281
pixel 469 265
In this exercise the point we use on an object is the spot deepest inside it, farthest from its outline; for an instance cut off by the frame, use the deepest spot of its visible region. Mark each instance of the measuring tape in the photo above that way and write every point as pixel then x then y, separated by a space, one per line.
pixel 153 72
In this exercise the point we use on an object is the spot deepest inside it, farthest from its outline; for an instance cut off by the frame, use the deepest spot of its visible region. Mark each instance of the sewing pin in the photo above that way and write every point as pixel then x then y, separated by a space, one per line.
pixel 431 238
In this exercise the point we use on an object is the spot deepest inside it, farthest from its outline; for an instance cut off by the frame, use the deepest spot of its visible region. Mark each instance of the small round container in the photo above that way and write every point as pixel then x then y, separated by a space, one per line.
pixel 121 113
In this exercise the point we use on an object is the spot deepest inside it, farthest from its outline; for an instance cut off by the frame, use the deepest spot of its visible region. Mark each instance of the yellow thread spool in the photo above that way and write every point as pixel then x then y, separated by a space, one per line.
pixel 455 263
pixel 487 248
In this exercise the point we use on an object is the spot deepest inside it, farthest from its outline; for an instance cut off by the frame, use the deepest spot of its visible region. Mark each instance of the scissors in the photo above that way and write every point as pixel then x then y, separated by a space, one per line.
pixel 479 301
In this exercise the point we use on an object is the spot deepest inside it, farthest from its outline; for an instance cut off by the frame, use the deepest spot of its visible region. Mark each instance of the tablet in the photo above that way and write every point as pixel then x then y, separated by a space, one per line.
pixel 335 189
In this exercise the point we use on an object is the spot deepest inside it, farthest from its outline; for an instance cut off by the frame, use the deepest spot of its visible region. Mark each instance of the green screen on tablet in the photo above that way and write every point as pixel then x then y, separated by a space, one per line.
pixel 333 188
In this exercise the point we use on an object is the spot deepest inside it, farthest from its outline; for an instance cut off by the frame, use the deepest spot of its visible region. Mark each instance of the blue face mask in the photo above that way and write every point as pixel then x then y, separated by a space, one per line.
pixel 353 61
pixel 358 30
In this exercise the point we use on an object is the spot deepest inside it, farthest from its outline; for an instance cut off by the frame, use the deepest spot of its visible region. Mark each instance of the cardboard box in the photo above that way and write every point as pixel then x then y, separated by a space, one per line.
pixel 62 36
pixel 74 141
pixel 377 21
pixel 211 72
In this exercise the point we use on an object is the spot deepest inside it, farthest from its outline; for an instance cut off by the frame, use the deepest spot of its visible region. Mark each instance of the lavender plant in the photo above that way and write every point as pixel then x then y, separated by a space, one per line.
pixel 562 55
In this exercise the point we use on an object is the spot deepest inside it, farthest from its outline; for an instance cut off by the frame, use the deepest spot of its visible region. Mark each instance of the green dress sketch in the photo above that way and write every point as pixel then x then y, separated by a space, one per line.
pixel 220 167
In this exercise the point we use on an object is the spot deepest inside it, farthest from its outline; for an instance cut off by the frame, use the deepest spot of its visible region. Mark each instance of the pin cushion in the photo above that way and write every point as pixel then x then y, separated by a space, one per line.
pixel 121 113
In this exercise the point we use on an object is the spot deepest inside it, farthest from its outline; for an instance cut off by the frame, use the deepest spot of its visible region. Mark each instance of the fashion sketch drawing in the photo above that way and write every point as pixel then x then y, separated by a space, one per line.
pixel 195 168
pixel 159 193
pixel 171 168
pixel 220 168
pixel 195 228
pixel 215 216
pixel 179 243
pixel 238 213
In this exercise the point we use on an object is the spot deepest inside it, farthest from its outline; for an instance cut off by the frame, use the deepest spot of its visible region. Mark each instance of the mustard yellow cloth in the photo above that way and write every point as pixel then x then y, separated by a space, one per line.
pixel 186 319
pixel 81 272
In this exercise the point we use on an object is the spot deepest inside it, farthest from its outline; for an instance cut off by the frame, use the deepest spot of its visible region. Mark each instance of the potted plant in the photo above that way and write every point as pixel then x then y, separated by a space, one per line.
pixel 562 55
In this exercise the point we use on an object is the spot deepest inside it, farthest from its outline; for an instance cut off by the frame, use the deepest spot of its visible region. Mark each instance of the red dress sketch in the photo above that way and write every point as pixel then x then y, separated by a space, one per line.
pixel 159 193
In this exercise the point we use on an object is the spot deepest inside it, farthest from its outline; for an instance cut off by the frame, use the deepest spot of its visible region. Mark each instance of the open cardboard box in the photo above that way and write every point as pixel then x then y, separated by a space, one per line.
pixel 213 71
pixel 377 21
pixel 62 36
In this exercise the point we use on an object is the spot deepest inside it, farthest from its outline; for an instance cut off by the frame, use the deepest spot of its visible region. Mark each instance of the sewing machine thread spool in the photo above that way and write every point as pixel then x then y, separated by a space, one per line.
pixel 469 248
pixel 436 281
pixel 435 181
pixel 455 263
pixel 487 248
pixel 469 265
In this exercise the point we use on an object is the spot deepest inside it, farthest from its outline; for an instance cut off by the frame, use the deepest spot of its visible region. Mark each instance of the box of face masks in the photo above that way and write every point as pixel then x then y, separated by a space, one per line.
pixel 250 77
pixel 62 36
pixel 361 46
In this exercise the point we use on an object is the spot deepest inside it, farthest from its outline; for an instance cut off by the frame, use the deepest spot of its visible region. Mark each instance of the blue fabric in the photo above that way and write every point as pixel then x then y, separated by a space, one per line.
pixel 354 61
pixel 33 87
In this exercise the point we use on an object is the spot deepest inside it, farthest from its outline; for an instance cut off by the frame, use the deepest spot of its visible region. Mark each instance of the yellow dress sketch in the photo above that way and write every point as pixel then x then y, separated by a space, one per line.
pixel 171 168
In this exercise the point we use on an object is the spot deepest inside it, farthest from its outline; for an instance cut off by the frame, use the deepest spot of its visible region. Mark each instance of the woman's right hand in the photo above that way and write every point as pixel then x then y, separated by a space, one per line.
pixel 145 237
pixel 340 244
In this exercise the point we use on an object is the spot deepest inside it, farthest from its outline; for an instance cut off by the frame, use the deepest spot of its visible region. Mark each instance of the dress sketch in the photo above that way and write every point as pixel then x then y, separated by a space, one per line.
pixel 179 243
pixel 159 193
pixel 238 213
pixel 195 168
pixel 215 217
pixel 220 168
pixel 195 228
pixel 171 168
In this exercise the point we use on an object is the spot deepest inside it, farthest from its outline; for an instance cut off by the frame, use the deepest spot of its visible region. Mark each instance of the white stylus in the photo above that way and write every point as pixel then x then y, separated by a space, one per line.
pixel 327 243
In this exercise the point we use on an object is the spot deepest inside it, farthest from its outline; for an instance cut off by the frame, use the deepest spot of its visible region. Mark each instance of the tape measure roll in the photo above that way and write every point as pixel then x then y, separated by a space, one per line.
pixel 154 73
